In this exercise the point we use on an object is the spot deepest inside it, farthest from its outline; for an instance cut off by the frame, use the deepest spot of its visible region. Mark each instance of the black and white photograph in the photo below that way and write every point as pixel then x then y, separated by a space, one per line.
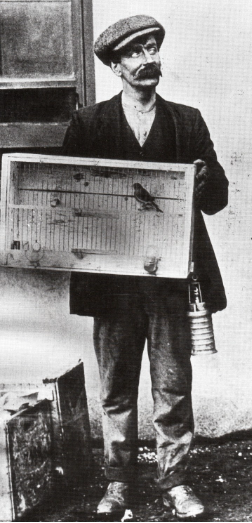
pixel 125 260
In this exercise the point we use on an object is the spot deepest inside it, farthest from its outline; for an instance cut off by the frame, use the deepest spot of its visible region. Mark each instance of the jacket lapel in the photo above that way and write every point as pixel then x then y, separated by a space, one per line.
pixel 109 126
pixel 168 107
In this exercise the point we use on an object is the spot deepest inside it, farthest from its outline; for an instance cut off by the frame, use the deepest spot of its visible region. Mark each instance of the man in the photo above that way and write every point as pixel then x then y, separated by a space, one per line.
pixel 138 124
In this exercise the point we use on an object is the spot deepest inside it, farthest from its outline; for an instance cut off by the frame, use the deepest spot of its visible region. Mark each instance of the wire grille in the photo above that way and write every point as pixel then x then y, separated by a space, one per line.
pixel 95 209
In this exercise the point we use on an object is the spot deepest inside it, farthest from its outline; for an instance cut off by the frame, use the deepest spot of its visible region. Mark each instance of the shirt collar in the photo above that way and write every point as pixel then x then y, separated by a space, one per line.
pixel 130 103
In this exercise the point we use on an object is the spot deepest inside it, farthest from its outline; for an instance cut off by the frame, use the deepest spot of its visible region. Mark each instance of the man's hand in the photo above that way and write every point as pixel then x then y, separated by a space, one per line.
pixel 201 181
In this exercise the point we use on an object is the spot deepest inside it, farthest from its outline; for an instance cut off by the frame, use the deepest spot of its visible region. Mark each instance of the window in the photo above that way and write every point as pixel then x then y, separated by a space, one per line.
pixel 46 69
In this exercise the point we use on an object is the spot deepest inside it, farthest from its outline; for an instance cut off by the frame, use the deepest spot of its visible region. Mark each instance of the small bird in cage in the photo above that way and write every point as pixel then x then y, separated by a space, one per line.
pixel 144 197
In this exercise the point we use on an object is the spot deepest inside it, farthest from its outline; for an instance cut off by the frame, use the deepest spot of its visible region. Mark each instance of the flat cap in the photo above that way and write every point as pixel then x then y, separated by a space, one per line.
pixel 120 34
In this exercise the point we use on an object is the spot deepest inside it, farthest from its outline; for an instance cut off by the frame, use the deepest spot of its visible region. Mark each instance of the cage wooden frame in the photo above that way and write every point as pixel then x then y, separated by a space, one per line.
pixel 107 203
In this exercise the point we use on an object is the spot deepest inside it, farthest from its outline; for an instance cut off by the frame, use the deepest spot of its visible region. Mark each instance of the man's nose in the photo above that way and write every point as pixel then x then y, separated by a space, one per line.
pixel 148 57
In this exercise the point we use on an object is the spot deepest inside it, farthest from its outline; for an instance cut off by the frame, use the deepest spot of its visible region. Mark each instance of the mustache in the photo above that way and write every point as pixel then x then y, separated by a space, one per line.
pixel 149 71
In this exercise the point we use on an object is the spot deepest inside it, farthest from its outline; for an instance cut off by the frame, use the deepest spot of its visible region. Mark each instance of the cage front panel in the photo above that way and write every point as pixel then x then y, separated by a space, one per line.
pixel 103 218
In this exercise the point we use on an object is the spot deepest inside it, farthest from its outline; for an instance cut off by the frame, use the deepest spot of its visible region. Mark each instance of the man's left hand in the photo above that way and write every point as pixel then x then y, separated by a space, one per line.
pixel 201 181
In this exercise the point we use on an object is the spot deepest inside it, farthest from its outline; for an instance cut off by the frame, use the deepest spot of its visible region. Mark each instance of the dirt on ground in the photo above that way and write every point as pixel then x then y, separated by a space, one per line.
pixel 220 473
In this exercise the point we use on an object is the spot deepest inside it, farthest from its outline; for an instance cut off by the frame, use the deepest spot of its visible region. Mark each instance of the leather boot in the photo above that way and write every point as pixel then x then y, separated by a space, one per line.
pixel 115 499
pixel 183 501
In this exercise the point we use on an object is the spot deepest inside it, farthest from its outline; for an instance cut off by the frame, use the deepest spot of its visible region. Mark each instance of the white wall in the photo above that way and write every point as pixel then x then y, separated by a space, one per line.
pixel 206 59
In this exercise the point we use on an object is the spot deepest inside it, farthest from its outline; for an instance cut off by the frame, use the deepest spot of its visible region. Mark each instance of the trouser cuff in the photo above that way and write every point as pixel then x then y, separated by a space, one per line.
pixel 172 480
pixel 124 474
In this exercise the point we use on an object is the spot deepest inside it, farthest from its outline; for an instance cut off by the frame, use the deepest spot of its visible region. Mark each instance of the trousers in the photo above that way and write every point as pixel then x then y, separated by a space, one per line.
pixel 156 312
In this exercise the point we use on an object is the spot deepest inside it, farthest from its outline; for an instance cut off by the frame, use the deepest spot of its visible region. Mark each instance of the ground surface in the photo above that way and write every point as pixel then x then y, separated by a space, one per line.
pixel 220 471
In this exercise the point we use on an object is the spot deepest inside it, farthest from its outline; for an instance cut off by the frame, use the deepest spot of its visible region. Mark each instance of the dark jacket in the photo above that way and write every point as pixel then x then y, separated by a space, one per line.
pixel 95 131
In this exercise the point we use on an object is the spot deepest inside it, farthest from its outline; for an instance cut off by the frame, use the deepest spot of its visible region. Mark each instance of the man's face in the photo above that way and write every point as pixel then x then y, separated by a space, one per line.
pixel 140 65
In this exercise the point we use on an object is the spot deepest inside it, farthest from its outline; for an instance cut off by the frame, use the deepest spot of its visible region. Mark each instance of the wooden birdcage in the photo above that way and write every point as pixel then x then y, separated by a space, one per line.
pixel 96 215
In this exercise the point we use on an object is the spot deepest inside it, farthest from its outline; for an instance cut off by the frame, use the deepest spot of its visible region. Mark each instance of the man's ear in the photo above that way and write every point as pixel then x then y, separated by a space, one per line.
pixel 116 68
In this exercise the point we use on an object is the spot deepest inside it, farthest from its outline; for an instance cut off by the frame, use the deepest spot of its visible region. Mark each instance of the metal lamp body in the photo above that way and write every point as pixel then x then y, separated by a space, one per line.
pixel 201 329
pixel 200 321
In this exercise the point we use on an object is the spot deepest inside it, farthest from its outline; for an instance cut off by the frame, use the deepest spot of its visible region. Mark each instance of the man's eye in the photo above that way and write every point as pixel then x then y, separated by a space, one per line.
pixel 135 52
pixel 152 50
pixel 138 50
